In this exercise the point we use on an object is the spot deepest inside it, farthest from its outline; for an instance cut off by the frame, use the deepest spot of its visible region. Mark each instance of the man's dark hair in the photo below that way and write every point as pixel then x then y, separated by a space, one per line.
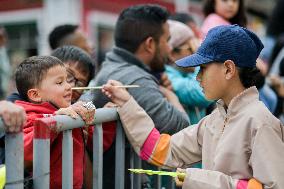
pixel 182 17
pixel 32 71
pixel 135 24
pixel 59 34
pixel 75 54
pixel 239 18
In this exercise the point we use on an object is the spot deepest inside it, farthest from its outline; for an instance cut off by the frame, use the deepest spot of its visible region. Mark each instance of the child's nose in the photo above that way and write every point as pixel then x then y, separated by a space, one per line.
pixel 231 3
pixel 68 86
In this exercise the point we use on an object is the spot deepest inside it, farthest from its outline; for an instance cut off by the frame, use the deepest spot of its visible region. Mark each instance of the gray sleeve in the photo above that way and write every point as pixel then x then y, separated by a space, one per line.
pixel 166 117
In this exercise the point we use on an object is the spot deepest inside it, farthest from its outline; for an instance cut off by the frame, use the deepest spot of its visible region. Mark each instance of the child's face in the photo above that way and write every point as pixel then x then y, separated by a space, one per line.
pixel 211 80
pixel 54 87
pixel 227 8
pixel 76 78
pixel 183 50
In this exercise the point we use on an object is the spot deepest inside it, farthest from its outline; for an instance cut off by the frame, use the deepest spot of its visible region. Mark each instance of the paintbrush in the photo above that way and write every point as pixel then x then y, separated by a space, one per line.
pixel 151 172
pixel 100 87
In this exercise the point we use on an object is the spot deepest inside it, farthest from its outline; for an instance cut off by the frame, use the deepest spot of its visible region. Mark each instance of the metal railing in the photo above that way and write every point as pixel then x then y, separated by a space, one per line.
pixel 14 156
pixel 41 152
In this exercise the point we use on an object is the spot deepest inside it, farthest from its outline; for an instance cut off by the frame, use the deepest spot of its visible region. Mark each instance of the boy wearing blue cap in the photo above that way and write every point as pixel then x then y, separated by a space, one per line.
pixel 241 144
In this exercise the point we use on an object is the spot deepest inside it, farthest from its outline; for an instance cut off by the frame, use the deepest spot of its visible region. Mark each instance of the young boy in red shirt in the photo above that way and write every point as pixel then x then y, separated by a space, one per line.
pixel 42 82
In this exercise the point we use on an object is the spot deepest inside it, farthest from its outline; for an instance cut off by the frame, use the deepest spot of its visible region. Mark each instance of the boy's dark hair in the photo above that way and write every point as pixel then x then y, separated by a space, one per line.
pixel 251 77
pixel 182 17
pixel 239 18
pixel 32 71
pixel 137 23
pixel 75 54
pixel 58 34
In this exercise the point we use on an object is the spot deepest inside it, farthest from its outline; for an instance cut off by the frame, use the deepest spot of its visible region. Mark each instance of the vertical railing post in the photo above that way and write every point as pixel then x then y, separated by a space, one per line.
pixel 67 160
pixel 159 180
pixel 132 153
pixel 173 184
pixel 119 156
pixel 98 157
pixel 14 157
pixel 137 163
pixel 41 154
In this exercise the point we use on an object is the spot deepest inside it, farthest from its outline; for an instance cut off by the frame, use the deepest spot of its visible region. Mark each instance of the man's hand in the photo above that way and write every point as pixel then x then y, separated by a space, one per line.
pixel 165 82
pixel 13 116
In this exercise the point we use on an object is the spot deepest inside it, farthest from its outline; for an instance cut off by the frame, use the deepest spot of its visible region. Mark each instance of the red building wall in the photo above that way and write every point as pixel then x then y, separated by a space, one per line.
pixel 116 6
pixel 11 5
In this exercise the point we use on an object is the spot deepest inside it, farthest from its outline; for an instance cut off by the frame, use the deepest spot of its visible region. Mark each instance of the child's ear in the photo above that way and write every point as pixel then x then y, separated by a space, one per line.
pixel 230 69
pixel 34 95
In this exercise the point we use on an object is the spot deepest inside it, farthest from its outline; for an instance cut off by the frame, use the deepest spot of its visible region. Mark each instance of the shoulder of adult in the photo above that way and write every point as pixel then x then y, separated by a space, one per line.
pixel 124 72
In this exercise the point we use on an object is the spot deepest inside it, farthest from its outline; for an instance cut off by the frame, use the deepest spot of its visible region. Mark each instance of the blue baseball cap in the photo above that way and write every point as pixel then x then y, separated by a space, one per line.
pixel 230 42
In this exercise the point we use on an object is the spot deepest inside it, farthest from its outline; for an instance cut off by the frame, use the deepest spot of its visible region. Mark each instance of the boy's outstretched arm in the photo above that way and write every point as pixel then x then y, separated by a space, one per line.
pixel 179 150
pixel 152 146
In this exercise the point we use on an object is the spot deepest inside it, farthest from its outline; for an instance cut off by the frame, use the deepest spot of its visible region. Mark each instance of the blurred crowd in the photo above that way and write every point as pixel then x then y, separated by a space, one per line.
pixel 144 54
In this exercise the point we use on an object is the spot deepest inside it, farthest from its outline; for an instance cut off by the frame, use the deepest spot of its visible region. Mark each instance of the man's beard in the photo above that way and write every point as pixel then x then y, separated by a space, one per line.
pixel 158 62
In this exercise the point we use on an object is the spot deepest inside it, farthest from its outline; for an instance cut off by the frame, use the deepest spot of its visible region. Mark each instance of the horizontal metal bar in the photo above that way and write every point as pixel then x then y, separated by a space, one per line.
pixel 2 125
pixel 64 122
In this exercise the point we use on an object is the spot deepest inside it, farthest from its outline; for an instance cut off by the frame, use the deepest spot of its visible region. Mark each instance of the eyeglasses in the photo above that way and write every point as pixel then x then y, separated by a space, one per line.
pixel 189 49
pixel 73 80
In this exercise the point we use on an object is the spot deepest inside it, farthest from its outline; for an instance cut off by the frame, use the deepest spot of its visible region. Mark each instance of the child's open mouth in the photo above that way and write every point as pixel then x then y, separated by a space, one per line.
pixel 68 96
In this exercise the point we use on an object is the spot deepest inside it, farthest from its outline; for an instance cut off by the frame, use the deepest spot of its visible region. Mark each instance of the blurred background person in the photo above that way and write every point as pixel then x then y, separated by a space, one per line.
pixel 275 27
pixel 69 35
pixel 5 68
pixel 188 20
pixel 220 12
pixel 184 43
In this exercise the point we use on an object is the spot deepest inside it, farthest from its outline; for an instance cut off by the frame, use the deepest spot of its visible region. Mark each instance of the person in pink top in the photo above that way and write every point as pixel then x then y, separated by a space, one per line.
pixel 223 12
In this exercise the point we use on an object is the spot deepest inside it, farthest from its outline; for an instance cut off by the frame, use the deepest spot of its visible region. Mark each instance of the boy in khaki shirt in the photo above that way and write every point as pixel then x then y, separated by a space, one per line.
pixel 240 143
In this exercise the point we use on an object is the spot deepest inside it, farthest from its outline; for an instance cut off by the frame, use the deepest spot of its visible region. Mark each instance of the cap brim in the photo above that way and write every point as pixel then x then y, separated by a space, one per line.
pixel 193 60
